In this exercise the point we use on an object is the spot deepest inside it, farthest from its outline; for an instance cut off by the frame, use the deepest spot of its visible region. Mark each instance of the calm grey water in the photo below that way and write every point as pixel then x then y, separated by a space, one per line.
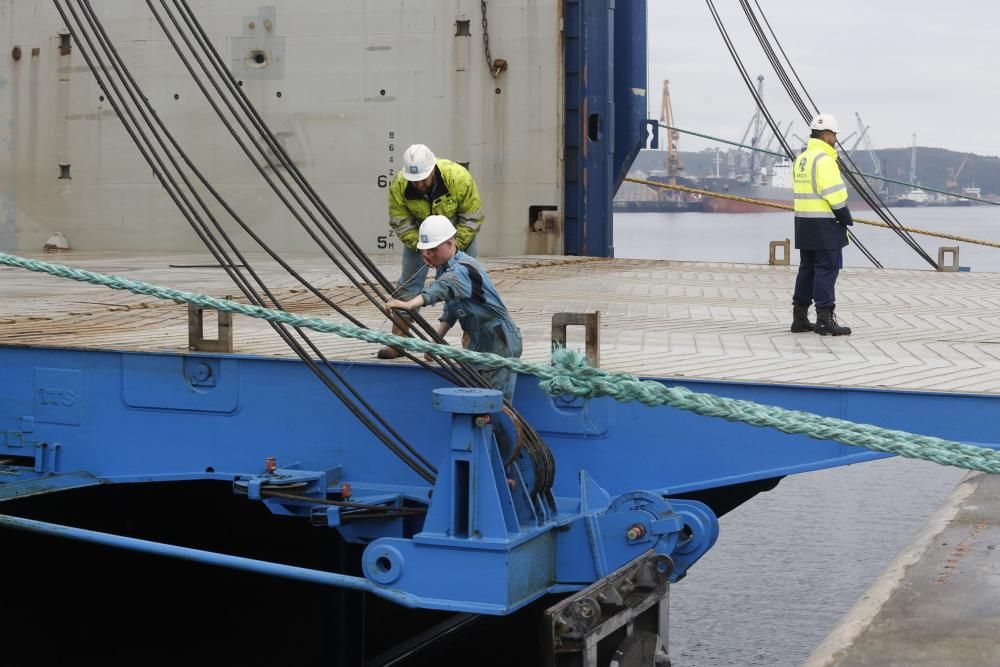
pixel 744 237
pixel 790 563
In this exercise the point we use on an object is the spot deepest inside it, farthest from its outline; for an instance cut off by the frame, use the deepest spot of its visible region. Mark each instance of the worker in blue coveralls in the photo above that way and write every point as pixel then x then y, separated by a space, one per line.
pixel 425 186
pixel 469 298
pixel 821 222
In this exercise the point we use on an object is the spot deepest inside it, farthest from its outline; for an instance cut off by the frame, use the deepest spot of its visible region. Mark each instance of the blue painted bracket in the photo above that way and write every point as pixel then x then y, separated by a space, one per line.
pixel 484 548
pixel 99 405
pixel 22 456
pixel 36 485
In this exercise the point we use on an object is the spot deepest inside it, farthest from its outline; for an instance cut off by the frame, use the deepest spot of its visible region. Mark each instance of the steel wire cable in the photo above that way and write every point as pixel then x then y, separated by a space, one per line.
pixel 222 257
pixel 147 150
pixel 458 369
pixel 204 45
pixel 794 97
pixel 210 241
pixel 289 339
pixel 358 281
pixel 126 77
pixel 465 374
pixel 763 108
pixel 861 186
pixel 278 149
pixel 789 86
pixel 772 124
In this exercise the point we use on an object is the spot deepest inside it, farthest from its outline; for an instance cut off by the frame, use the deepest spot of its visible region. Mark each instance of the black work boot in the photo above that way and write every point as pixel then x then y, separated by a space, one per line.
pixel 826 323
pixel 800 319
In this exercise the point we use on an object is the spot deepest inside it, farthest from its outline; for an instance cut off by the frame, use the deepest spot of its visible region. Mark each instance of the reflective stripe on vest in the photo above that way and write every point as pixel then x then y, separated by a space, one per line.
pixel 818 186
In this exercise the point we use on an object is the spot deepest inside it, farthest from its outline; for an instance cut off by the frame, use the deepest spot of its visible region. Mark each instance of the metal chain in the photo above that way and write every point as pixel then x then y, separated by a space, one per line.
pixel 498 66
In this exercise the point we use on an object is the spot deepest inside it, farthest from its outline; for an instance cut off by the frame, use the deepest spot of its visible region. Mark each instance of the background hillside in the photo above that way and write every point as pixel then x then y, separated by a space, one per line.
pixel 937 168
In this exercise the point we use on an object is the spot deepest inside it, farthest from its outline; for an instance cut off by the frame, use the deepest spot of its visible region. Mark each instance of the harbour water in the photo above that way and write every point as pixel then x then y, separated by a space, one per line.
pixel 792 561
pixel 744 237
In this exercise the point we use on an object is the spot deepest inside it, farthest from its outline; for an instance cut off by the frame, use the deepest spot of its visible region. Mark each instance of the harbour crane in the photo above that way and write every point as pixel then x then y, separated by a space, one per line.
pixel 748 158
pixel 757 122
pixel 880 186
pixel 951 182
pixel 848 138
pixel 861 136
pixel 667 118
pixel 784 134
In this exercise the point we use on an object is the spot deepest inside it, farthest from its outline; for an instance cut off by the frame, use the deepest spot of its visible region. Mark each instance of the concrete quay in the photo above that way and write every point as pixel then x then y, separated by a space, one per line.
pixel 938 603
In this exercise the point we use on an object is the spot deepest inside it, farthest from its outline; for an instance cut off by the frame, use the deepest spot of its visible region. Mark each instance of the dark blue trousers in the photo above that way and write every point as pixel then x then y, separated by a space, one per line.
pixel 818 271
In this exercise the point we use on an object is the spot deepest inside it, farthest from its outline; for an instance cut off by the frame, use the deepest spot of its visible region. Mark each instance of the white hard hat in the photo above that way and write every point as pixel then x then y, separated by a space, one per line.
pixel 824 121
pixel 434 230
pixel 418 162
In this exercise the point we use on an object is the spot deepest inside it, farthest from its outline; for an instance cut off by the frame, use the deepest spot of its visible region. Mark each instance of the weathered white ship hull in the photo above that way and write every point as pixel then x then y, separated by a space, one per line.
pixel 346 86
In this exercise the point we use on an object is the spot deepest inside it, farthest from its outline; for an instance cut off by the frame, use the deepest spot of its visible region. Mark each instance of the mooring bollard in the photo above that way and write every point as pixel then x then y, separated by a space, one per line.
pixel 773 259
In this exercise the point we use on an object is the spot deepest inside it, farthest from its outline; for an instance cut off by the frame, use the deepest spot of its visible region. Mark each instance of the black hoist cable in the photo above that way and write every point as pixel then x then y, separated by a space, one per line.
pixel 860 185
pixel 461 373
pixel 352 260
pixel 134 127
pixel 767 115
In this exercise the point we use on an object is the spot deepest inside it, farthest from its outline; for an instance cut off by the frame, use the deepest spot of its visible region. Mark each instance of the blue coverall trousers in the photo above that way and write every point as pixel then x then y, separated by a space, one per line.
pixel 817 277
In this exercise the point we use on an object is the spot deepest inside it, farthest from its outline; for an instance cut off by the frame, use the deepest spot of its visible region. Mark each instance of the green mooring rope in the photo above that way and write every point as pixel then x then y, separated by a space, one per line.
pixel 570 374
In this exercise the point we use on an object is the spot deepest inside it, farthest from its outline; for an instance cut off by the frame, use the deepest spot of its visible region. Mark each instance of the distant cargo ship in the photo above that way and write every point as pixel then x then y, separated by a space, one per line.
pixel 773 189
pixel 915 197
pixel 640 198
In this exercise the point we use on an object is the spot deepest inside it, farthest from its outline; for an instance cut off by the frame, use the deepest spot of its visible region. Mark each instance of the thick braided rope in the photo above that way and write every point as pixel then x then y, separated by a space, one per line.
pixel 570 374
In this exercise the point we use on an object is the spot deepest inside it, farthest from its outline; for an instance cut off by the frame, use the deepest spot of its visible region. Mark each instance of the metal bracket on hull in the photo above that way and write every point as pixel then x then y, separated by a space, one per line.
pixel 33 484
pixel 629 607
pixel 488 546
pixel 196 331
pixel 591 323
pixel 21 458
pixel 487 543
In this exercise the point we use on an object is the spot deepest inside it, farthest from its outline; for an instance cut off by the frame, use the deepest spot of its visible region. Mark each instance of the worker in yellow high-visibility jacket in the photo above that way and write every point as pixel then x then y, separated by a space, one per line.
pixel 428 185
pixel 821 222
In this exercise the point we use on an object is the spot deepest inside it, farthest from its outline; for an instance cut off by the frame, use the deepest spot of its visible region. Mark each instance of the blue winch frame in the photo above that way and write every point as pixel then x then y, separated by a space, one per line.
pixel 71 418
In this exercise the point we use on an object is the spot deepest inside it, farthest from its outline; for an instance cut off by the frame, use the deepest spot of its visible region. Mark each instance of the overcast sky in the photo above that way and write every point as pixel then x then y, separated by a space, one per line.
pixel 921 66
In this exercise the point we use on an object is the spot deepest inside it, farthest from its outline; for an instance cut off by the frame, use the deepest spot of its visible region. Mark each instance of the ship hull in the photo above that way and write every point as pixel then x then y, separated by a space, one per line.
pixel 720 205
pixel 652 206
pixel 764 200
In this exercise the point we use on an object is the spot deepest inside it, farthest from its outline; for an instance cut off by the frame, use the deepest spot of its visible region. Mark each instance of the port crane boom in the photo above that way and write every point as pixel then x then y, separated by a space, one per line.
pixel 951 183
pixel 667 118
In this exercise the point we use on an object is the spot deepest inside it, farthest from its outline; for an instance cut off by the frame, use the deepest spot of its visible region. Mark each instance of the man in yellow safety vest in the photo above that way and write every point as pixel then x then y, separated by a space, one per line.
pixel 821 222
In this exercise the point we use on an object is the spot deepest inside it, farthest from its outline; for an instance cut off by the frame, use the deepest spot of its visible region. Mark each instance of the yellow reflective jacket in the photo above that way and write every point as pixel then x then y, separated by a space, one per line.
pixel 454 196
pixel 821 214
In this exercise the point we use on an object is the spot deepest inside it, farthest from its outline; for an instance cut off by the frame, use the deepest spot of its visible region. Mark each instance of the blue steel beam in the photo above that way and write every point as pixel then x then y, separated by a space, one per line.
pixel 488 544
pixel 605 106
pixel 126 417
pixel 631 99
